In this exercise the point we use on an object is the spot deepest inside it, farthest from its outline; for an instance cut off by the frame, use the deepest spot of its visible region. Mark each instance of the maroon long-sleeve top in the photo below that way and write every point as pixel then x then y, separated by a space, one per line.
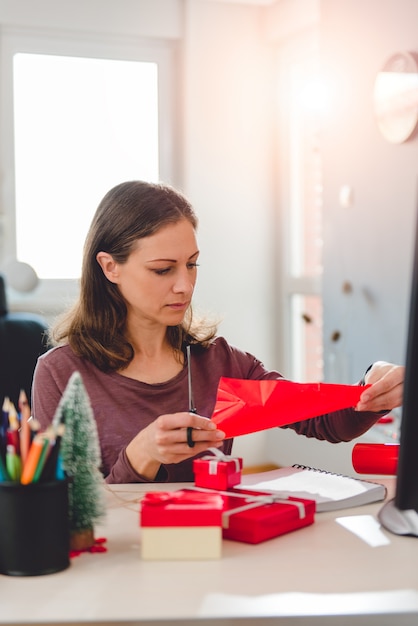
pixel 123 406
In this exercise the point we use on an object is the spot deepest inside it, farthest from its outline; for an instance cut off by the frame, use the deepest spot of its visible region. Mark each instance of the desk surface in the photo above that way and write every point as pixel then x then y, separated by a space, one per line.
pixel 314 573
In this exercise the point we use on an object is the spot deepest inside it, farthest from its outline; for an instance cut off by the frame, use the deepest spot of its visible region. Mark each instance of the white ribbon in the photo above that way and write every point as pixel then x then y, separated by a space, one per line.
pixel 252 502
pixel 213 463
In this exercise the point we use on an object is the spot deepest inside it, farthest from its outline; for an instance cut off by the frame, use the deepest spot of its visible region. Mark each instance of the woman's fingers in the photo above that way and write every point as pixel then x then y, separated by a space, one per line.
pixel 386 391
pixel 185 434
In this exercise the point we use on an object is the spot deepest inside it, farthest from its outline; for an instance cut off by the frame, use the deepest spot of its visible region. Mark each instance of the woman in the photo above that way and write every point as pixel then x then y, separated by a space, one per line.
pixel 128 336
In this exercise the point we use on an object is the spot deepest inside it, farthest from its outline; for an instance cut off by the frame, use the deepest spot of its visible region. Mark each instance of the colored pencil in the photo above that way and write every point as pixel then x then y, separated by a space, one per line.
pixel 4 475
pixel 48 442
pixel 32 460
pixel 50 468
pixel 13 463
pixel 25 430
pixel 13 419
pixel 27 454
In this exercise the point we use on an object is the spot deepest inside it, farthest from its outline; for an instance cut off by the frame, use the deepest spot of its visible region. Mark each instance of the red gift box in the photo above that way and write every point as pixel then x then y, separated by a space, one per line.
pixel 217 471
pixel 181 525
pixel 254 516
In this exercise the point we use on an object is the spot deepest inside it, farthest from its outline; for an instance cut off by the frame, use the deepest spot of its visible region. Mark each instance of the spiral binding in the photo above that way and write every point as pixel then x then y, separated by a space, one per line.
pixel 322 471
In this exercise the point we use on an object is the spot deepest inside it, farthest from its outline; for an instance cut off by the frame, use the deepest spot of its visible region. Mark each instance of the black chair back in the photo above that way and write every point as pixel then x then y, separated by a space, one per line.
pixel 23 338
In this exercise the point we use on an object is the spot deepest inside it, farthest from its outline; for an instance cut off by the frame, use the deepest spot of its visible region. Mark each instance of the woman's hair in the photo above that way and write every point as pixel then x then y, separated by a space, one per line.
pixel 95 327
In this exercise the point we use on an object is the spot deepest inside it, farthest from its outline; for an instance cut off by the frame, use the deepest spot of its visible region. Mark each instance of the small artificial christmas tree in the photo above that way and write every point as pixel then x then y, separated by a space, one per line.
pixel 80 457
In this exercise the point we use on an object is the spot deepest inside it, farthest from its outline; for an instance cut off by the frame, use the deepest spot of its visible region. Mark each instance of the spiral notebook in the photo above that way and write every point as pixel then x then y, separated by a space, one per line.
pixel 330 491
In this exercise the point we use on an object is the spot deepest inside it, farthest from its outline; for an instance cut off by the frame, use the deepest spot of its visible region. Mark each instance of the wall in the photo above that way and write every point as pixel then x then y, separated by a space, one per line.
pixel 227 113
pixel 369 244
pixel 227 116
pixel 149 18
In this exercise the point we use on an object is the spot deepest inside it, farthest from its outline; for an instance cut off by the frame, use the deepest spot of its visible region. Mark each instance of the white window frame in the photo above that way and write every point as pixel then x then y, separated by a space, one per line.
pixel 51 296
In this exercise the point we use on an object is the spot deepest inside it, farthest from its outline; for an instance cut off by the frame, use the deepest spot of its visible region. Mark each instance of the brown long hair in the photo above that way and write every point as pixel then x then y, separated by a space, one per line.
pixel 95 326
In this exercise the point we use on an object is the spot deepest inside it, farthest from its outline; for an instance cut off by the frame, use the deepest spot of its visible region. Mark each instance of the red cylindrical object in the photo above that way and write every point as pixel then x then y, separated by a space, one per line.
pixel 375 458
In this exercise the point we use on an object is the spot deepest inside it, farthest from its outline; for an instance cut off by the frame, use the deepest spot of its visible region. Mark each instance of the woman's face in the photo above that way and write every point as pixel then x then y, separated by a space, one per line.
pixel 158 279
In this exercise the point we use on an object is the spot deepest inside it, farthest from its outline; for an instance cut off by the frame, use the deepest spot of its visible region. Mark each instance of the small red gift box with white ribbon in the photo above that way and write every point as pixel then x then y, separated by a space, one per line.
pixel 217 470
pixel 181 525
pixel 264 516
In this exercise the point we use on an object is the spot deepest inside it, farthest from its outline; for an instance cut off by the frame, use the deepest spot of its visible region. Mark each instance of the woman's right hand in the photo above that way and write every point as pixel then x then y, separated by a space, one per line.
pixel 165 441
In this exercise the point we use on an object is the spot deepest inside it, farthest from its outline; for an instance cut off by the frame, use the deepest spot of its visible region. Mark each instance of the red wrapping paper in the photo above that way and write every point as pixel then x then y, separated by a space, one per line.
pixel 248 406
pixel 375 458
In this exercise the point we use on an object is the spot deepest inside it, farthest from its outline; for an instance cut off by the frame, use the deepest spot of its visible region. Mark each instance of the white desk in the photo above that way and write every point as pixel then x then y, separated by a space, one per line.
pixel 310 576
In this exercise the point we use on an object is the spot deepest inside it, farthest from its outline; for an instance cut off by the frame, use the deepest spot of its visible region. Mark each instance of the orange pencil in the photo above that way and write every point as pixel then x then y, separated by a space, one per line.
pixel 32 459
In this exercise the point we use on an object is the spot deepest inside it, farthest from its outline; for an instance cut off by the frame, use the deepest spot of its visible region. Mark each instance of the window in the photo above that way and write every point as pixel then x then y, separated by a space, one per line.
pixel 79 115
pixel 81 126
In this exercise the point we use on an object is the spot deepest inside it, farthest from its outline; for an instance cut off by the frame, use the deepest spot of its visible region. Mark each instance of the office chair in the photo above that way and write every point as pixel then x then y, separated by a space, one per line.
pixel 23 338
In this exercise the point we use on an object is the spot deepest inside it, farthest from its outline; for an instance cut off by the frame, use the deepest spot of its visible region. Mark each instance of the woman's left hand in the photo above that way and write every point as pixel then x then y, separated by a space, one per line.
pixel 386 391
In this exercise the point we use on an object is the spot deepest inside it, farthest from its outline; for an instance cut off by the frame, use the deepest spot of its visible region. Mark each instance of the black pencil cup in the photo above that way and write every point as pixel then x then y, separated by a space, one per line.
pixel 34 528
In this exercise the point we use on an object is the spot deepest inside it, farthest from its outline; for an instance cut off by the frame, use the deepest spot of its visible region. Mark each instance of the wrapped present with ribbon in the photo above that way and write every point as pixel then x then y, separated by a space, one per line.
pixel 181 525
pixel 217 470
pixel 254 516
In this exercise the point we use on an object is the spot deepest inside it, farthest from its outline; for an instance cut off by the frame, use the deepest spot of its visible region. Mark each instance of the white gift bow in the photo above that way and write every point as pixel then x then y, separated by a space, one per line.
pixel 213 463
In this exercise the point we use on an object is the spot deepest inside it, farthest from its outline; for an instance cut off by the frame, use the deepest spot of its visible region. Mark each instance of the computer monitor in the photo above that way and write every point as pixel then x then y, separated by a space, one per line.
pixel 400 515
